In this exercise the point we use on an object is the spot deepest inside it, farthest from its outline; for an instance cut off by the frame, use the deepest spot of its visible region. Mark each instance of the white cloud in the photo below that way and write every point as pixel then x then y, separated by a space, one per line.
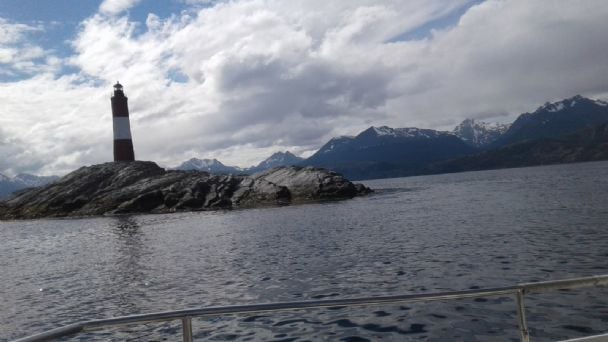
pixel 17 55
pixel 114 7
pixel 508 57
pixel 238 80
pixel 56 124
pixel 11 33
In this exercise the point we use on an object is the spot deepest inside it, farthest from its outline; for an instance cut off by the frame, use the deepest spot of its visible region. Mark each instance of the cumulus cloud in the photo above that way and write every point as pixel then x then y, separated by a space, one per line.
pixel 239 80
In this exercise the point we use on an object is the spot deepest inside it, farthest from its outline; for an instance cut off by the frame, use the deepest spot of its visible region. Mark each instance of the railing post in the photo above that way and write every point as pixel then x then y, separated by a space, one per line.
pixel 187 329
pixel 521 317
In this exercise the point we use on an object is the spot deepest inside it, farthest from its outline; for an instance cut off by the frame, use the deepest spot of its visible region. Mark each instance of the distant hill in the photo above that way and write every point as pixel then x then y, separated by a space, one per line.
pixel 554 120
pixel 479 134
pixel 216 167
pixel 209 165
pixel 22 181
pixel 380 152
pixel 588 144
pixel 275 160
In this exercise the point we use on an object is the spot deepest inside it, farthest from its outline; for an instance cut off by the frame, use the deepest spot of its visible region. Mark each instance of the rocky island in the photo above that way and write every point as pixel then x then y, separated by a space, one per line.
pixel 144 187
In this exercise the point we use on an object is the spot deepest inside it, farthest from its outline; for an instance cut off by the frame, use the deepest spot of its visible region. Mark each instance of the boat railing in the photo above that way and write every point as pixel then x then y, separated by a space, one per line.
pixel 185 316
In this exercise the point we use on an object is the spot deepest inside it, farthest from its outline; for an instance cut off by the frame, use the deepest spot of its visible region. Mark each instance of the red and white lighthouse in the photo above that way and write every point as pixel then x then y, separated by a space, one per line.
pixel 123 145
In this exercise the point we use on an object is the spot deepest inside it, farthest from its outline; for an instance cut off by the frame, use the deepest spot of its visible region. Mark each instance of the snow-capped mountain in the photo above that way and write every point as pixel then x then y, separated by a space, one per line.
pixel 21 181
pixel 479 133
pixel 208 165
pixel 275 160
pixel 215 166
pixel 556 119
pixel 569 103
pixel 382 133
pixel 407 132
pixel 386 152
pixel 588 144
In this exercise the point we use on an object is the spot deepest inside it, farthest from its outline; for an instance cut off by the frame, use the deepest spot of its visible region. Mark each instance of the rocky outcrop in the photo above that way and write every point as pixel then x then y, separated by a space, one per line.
pixel 144 187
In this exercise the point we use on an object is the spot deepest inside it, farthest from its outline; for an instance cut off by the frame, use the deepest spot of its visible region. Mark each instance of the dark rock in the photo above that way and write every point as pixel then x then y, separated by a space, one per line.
pixel 140 187
pixel 362 189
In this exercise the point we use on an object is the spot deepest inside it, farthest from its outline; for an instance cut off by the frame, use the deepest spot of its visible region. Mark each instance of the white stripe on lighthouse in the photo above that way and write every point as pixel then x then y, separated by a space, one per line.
pixel 122 128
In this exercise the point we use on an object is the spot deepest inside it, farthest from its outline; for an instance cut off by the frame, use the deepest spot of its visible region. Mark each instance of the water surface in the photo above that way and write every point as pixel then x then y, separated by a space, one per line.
pixel 416 234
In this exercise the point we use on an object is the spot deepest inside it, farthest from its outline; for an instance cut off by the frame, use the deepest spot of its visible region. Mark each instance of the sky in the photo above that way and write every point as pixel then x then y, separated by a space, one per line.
pixel 238 80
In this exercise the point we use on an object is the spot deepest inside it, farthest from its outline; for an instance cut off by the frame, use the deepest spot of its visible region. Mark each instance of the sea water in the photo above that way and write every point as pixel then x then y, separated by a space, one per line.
pixel 413 235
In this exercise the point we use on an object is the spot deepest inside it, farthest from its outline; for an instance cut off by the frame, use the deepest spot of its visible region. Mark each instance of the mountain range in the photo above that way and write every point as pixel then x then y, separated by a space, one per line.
pixel 587 144
pixel 215 166
pixel 380 152
pixel 208 165
pixel 557 119
pixel 556 129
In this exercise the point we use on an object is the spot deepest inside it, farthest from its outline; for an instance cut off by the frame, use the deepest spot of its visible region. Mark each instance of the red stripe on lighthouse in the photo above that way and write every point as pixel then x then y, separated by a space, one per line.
pixel 123 150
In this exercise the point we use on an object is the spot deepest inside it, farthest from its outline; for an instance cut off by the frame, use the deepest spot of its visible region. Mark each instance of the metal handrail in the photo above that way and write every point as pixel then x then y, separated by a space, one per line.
pixel 186 315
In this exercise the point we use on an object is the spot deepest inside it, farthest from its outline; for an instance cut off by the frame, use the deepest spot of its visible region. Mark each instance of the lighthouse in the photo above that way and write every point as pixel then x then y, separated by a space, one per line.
pixel 123 145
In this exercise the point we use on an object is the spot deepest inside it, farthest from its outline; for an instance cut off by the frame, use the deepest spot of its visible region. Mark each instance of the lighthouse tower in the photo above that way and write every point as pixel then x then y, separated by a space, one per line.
pixel 123 145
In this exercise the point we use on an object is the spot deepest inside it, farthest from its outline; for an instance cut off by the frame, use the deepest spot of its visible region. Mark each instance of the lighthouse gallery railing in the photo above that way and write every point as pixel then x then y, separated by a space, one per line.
pixel 519 291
